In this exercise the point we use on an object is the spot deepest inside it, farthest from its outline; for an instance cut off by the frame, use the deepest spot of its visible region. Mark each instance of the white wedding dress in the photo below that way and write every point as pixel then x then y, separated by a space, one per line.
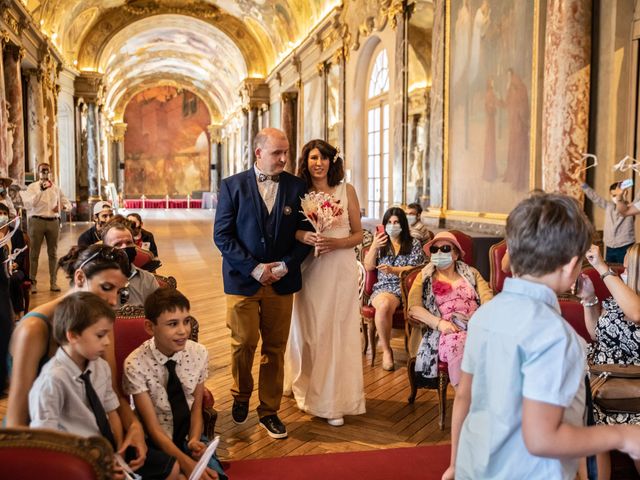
pixel 323 360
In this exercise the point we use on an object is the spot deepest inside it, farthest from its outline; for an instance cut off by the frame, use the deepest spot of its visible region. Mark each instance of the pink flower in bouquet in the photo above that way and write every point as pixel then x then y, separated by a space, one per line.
pixel 320 209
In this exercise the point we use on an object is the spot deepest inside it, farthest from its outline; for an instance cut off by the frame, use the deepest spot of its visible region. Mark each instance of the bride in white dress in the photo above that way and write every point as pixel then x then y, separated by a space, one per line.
pixel 323 364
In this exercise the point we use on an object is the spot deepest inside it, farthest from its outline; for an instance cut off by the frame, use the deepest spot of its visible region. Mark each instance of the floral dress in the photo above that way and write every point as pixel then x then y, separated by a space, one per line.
pixel 617 342
pixel 390 282
pixel 459 297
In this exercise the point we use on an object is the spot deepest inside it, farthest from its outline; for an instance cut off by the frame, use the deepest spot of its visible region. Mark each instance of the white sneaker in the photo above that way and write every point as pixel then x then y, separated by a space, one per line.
pixel 335 422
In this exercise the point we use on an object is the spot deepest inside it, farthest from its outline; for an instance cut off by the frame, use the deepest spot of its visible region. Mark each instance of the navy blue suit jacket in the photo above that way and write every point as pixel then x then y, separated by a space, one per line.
pixel 239 232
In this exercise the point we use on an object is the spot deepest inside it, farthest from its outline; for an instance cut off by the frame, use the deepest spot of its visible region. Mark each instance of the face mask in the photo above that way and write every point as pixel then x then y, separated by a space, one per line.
pixel 441 259
pixel 393 230
pixel 3 220
pixel 624 277
pixel 3 191
pixel 131 253
pixel 411 219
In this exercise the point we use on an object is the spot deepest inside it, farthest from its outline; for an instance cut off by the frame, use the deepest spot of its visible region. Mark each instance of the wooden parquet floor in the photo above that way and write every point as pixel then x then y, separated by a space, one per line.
pixel 184 239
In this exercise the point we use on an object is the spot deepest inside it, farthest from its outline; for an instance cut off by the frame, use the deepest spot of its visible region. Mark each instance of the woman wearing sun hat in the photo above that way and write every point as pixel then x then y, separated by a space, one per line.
pixel 441 301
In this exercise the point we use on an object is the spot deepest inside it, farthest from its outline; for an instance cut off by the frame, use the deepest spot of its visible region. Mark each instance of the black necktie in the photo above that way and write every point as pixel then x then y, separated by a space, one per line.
pixel 262 177
pixel 97 408
pixel 179 406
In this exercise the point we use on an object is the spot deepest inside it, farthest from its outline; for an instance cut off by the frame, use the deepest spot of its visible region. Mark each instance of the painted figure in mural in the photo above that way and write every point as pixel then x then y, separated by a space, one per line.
pixel 516 103
pixel 480 26
pixel 463 37
pixel 489 171
pixel 255 228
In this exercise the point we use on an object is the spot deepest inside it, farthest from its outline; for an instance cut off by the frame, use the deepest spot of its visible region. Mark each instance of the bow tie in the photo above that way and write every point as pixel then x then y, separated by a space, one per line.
pixel 263 177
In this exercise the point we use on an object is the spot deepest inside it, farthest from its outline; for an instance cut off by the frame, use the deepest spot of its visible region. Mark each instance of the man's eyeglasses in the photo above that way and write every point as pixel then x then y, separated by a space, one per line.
pixel 109 254
pixel 441 248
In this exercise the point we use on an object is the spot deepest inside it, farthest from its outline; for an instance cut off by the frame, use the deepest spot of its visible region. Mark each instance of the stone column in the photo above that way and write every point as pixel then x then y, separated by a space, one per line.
pixel 117 165
pixel 5 131
pixel 92 152
pixel 214 157
pixel 399 104
pixel 252 130
pixel 289 122
pixel 13 90
pixel 565 111
pixel 244 141
pixel 436 123
pixel 35 118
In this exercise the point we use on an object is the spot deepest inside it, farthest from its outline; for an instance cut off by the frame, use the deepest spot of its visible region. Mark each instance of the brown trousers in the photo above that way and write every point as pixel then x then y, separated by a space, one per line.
pixel 268 315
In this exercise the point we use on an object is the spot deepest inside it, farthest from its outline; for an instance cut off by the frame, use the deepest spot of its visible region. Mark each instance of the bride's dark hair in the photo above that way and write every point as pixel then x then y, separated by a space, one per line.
pixel 336 165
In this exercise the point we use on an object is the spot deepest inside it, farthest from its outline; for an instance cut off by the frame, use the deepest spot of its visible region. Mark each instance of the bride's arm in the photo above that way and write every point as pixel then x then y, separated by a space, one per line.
pixel 326 245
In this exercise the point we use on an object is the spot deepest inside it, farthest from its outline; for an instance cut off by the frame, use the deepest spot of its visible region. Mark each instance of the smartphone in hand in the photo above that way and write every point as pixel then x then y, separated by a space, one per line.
pixel 380 228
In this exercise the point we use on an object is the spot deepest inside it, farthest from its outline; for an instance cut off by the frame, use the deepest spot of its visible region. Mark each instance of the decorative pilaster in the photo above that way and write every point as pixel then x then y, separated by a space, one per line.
pixel 36 120
pixel 399 105
pixel 436 124
pixel 288 123
pixel 13 90
pixel 118 131
pixel 254 93
pixel 565 114
pixel 214 156
pixel 5 132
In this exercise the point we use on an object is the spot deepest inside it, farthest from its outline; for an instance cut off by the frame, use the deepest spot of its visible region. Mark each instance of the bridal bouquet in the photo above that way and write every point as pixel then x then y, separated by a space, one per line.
pixel 321 209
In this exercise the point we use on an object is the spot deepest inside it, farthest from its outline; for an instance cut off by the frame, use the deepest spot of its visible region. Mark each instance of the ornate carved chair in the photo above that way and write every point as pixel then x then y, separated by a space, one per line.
pixel 129 333
pixel 466 242
pixel 146 260
pixel 496 276
pixel 573 312
pixel 165 282
pixel 26 454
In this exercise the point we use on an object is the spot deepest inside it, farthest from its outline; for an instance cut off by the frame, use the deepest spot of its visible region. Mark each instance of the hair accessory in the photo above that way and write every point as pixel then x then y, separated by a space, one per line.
pixel 336 156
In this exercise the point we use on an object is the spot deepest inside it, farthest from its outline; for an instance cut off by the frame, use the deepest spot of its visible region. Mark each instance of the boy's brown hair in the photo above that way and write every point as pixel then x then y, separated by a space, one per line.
pixel 544 232
pixel 164 300
pixel 77 312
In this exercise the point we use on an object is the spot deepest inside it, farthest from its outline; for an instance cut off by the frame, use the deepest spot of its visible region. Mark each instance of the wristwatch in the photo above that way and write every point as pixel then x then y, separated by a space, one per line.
pixel 607 273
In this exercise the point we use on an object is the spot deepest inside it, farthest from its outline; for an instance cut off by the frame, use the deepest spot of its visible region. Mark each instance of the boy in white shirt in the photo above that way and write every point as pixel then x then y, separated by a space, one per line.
pixel 519 408
pixel 166 377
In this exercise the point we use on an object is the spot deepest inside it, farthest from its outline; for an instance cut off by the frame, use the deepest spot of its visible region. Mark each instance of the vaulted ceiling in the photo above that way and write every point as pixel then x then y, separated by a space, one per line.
pixel 209 46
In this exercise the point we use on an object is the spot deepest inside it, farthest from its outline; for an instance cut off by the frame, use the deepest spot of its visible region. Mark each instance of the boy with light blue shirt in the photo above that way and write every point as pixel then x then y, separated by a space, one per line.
pixel 520 406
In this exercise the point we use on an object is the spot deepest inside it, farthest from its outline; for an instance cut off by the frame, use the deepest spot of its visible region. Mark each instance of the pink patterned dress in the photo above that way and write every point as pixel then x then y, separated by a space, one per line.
pixel 459 297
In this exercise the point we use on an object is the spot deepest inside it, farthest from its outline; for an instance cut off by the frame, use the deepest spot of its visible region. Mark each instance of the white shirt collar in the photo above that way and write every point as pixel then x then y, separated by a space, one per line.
pixel 160 357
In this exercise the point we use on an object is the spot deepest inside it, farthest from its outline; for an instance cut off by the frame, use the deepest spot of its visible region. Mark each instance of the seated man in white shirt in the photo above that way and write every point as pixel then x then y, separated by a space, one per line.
pixel 43 201
pixel 141 282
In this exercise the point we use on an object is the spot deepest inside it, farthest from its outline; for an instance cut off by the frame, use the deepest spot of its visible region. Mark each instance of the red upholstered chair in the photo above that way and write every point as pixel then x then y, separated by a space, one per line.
pixel 129 333
pixel 601 289
pixel 466 242
pixel 26 454
pixel 496 275
pixel 573 312
pixel 143 257
pixel 368 313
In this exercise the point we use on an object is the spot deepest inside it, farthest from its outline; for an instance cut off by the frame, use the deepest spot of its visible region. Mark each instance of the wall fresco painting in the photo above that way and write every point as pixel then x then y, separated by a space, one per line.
pixel 166 144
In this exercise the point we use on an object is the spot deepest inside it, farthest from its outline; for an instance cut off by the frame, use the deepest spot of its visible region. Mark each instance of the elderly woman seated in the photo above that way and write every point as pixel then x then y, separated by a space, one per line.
pixel 441 301
pixel 614 325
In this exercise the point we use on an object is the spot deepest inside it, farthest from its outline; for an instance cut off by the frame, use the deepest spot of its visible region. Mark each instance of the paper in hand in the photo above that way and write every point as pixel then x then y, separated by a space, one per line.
pixel 128 473
pixel 201 466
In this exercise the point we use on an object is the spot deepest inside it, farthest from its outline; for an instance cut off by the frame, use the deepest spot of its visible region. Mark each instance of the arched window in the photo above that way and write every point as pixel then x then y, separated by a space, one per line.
pixel 378 167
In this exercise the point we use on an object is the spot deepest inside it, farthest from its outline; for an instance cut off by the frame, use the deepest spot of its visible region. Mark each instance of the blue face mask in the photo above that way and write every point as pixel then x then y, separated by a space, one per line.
pixel 441 259
pixel 393 230
pixel 3 191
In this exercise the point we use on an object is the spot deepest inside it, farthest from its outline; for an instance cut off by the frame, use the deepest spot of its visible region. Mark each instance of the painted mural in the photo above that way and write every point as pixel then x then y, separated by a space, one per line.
pixel 166 144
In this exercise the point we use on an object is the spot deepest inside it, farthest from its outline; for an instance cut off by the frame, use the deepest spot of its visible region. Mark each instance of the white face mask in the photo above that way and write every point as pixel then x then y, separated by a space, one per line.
pixel 393 230
pixel 3 220
pixel 624 277
pixel 411 219
pixel 441 259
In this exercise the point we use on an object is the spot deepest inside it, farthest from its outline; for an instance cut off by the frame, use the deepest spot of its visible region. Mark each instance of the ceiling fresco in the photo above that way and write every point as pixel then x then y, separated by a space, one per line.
pixel 178 47
pixel 211 44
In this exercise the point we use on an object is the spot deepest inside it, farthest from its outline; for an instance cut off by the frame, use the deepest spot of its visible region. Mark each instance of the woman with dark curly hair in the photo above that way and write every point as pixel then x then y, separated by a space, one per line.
pixel 323 367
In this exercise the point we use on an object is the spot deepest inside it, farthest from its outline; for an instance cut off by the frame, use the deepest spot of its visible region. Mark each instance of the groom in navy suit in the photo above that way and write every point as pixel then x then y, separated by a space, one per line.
pixel 256 220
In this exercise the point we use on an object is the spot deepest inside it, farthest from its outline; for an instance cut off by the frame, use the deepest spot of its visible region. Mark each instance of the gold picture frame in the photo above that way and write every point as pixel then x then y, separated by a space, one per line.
pixel 487 215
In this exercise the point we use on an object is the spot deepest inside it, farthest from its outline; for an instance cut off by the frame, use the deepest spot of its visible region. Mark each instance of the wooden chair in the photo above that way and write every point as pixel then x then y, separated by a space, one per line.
pixel 497 277
pixel 26 454
pixel 368 313
pixel 165 282
pixel 129 333
pixel 602 292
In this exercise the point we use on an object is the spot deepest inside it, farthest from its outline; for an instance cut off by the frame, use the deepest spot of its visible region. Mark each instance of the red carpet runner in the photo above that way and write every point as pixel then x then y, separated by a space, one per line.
pixel 419 463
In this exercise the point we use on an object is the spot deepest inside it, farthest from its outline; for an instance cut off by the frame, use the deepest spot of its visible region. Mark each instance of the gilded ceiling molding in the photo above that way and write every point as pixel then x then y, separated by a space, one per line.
pixel 254 93
pixel 89 87
pixel 360 18
pixel 114 20
pixel 184 7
